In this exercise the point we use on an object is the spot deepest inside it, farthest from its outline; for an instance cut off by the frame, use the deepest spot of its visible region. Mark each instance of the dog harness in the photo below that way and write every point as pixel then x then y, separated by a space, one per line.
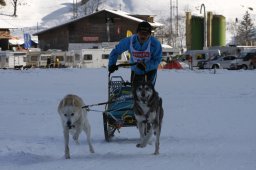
pixel 140 55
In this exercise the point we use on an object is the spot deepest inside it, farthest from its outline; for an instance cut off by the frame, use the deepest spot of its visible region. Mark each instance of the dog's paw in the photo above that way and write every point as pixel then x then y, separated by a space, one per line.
pixel 92 150
pixel 76 140
pixel 67 156
pixel 156 153
pixel 140 145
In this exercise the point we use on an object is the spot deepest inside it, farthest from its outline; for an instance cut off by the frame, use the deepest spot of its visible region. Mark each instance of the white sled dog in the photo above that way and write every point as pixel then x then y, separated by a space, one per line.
pixel 148 113
pixel 74 120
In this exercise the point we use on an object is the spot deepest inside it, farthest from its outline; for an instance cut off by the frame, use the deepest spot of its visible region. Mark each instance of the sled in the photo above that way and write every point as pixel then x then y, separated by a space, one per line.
pixel 119 110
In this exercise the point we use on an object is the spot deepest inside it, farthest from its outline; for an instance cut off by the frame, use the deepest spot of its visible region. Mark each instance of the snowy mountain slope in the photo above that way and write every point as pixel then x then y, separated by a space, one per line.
pixel 36 12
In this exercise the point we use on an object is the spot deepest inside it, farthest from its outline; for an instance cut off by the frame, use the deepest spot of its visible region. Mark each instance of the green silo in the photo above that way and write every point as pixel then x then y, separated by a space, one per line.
pixel 218 30
pixel 197 33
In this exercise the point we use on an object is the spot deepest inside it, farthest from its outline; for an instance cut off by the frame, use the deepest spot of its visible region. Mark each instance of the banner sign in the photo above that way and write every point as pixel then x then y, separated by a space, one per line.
pixel 27 41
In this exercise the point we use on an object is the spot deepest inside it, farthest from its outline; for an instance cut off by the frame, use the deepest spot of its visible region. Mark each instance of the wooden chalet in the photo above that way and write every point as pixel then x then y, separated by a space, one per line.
pixel 4 35
pixel 102 27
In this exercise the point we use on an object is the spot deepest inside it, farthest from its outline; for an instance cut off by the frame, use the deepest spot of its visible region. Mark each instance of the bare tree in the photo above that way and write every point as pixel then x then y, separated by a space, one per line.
pixel 92 5
pixel 232 27
pixel 84 1
pixel 15 4
pixel 171 38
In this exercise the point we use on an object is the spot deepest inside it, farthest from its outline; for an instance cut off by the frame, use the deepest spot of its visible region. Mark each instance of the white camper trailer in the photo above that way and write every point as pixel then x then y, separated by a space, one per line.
pixel 39 58
pixel 168 52
pixel 10 59
pixel 95 58
pixel 33 58
pixel 201 55
pixel 42 62
pixel 59 58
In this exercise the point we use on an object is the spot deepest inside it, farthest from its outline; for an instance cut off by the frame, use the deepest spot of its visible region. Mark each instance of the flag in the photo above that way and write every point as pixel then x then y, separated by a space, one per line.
pixel 27 40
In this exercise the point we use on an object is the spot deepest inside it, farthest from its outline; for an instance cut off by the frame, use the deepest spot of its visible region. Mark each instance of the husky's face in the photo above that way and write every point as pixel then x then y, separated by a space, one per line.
pixel 144 92
pixel 69 116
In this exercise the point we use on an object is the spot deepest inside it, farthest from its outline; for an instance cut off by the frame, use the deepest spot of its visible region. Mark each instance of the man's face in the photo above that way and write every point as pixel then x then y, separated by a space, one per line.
pixel 143 36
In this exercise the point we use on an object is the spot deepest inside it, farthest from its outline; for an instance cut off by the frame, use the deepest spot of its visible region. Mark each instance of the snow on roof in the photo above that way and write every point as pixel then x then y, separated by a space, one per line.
pixel 120 13
pixel 20 41
pixel 16 41
pixel 5 25
pixel 127 15
pixel 166 46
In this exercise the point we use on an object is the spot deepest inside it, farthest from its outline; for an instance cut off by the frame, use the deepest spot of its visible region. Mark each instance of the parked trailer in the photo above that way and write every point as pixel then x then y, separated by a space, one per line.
pixel 10 59
pixel 168 52
pixel 200 55
pixel 86 58
pixel 95 58
pixel 42 61
pixel 33 58
pixel 70 59
pixel 59 58
pixel 232 50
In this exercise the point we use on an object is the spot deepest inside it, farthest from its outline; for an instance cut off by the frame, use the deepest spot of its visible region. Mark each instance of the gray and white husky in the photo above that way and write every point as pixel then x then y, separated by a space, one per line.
pixel 74 121
pixel 148 113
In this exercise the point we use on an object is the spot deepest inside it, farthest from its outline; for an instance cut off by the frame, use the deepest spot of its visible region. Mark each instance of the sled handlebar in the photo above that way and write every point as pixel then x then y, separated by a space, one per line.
pixel 123 65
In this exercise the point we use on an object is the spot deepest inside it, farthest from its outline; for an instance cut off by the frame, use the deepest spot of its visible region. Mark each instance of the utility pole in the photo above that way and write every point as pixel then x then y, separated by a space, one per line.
pixel 75 9
pixel 205 25
pixel 171 32
pixel 177 19
pixel 174 27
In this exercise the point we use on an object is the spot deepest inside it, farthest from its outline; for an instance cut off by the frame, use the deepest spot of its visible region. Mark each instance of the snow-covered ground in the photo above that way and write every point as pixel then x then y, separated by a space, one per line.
pixel 209 122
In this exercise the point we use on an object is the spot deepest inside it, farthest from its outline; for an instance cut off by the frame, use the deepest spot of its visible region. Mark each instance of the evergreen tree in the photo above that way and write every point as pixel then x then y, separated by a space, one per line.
pixel 245 30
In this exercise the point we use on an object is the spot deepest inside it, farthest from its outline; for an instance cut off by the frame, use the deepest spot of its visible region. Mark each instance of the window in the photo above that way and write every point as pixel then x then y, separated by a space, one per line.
pixel 44 57
pixel 18 54
pixel 33 58
pixel 77 57
pixel 88 57
pixel 105 56
pixel 61 58
pixel 200 56
pixel 69 58
pixel 164 54
pixel 232 57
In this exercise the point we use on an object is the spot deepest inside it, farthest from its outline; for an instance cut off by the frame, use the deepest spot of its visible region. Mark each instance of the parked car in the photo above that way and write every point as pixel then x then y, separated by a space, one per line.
pixel 201 63
pixel 244 61
pixel 219 62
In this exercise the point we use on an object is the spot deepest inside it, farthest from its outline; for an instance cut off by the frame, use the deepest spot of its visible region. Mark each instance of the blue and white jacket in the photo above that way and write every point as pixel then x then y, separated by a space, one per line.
pixel 150 52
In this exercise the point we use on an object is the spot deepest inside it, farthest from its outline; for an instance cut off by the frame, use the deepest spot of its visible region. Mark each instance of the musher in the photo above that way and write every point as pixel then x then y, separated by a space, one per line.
pixel 145 50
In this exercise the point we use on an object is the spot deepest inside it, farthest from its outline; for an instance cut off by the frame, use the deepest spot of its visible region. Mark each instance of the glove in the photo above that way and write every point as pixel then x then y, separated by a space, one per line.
pixel 112 68
pixel 141 65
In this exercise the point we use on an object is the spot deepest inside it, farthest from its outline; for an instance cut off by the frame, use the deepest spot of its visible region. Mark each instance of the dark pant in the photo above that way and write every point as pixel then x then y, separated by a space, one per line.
pixel 147 77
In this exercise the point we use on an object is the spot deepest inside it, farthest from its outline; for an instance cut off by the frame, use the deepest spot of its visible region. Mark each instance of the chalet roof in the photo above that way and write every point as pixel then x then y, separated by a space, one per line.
pixel 117 12
pixel 5 25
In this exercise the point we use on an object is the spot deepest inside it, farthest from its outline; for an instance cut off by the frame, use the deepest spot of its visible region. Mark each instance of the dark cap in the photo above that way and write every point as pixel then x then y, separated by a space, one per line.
pixel 144 26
